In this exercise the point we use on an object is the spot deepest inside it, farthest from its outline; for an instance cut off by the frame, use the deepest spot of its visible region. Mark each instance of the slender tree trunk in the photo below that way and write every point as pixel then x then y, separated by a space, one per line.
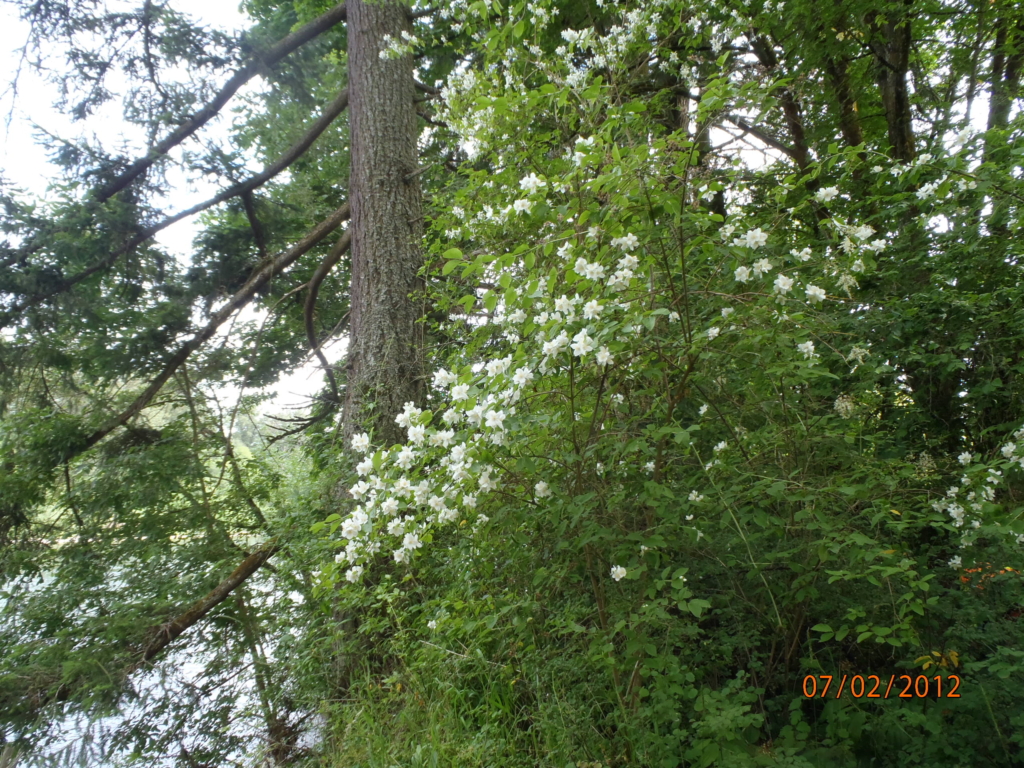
pixel 1007 64
pixel 384 367
pixel 893 55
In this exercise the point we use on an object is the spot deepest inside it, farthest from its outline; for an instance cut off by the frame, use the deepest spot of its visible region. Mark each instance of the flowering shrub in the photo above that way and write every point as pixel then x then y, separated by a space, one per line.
pixel 713 427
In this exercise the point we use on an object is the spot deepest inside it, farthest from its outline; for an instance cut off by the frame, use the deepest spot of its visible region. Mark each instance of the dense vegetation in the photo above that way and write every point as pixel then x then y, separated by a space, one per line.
pixel 723 314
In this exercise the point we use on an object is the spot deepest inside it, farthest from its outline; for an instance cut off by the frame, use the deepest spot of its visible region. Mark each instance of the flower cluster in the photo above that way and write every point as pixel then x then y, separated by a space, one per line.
pixel 394 48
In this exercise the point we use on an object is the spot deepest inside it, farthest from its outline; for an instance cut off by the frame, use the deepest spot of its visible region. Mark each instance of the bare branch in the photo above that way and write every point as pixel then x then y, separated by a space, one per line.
pixel 167 633
pixel 310 307
pixel 757 133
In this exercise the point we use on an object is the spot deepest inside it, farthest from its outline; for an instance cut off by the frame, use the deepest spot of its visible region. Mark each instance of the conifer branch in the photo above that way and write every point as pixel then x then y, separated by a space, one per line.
pixel 243 296
pixel 329 115
pixel 259 62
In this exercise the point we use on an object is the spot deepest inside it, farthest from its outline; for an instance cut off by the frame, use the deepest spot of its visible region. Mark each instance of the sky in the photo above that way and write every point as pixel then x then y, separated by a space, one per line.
pixel 25 164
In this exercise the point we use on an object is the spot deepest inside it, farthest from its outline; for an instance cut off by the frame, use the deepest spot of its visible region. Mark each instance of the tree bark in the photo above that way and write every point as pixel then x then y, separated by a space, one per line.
pixel 893 55
pixel 1007 64
pixel 384 368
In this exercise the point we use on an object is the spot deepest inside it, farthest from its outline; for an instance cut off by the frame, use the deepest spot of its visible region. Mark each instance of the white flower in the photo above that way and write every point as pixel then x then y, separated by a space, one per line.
pixel 815 294
pixel 603 356
pixel 876 245
pixel 721 446
pixel 807 348
pixel 486 482
pixel 389 506
pixel 498 367
pixel 761 266
pixel 351 527
pixel 443 378
pixel 628 262
pixel 783 284
pixel 417 434
pixel 401 555
pixel 618 572
pixel 518 316
pixel 845 406
pixel 531 183
pixel 565 250
pixel 460 392
pixel 927 190
pixel 742 274
pixel 877 169
pixel 702 410
pixel 620 279
pixel 365 466
pixel 522 206
pixel 443 438
pixel 955 561
pixel 695 497
pixel 649 466
pixel 857 266
pixel 713 332
pixel 361 442
pixel 864 231
pixel 847 282
pixel 627 242
pixel 405 457
pixel 582 344
pixel 965 458
pixel 592 310
pixel 564 303
pixel 408 415
pixel 494 419
pixel 594 271
pixel 359 489
pixel 804 255
pixel 353 573
pixel 826 194
pixel 755 238
pixel 541 490
pixel 411 541
pixel 522 377
pixel 1008 449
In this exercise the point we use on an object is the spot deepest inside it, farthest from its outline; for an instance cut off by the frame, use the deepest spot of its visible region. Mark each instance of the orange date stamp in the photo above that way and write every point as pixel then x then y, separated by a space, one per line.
pixel 881 687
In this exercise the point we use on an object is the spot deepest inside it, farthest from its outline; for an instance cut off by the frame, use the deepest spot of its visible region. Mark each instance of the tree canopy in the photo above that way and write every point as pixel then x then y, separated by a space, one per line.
pixel 681 422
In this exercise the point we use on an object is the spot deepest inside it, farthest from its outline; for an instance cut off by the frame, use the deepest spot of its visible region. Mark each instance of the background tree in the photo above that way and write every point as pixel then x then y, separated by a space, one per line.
pixel 171 420
pixel 722 309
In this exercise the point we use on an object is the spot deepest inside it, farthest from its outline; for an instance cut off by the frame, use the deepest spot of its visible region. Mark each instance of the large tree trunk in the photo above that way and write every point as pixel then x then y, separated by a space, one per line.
pixel 384 367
